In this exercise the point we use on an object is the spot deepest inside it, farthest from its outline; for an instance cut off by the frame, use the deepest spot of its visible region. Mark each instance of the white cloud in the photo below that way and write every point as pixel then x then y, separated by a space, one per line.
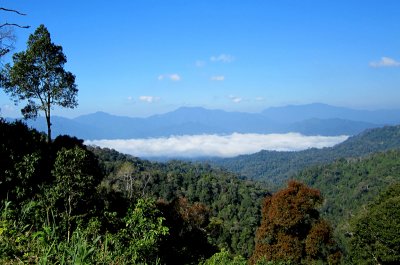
pixel 7 107
pixel 235 99
pixel 130 98
pixel 260 99
pixel 217 145
pixel 385 62
pixel 172 77
pixel 175 77
pixel 200 63
pixel 218 78
pixel 224 58
pixel 148 99
pixel 8 110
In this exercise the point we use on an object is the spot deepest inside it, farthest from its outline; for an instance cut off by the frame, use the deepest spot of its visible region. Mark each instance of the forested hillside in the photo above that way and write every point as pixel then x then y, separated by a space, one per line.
pixel 349 185
pixel 66 202
pixel 61 197
pixel 234 204
pixel 63 202
pixel 276 167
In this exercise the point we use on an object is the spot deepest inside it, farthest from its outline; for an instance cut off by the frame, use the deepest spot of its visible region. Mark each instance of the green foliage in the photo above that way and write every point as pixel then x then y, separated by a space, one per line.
pixel 376 230
pixel 18 240
pixel 349 183
pixel 224 257
pixel 22 156
pixel 74 175
pixel 39 79
pixel 58 209
pixel 80 249
pixel 137 243
pixel 144 229
pixel 75 180
pixel 72 218
pixel 187 242
pixel 234 204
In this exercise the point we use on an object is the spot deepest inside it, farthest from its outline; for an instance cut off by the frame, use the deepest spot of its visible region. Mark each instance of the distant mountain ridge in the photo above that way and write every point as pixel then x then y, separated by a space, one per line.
pixel 296 113
pixel 311 119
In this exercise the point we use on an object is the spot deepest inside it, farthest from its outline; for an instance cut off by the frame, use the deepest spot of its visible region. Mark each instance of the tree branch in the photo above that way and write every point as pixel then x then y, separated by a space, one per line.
pixel 14 25
pixel 12 10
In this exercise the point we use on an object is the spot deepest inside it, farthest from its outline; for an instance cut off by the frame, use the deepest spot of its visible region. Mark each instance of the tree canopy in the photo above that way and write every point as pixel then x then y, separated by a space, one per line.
pixel 292 230
pixel 39 79
pixel 376 230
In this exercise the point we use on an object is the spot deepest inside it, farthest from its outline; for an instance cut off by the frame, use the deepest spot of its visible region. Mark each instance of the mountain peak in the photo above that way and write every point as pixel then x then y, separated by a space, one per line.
pixel 186 108
pixel 95 114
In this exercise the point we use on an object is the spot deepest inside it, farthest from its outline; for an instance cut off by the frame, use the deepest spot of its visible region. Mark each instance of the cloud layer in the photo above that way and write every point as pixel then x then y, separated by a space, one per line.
pixel 149 99
pixel 235 99
pixel 172 77
pixel 218 78
pixel 385 62
pixel 216 145
pixel 224 58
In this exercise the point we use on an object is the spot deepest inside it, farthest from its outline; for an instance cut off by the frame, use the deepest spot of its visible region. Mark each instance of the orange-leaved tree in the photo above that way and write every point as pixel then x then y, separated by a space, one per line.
pixel 292 231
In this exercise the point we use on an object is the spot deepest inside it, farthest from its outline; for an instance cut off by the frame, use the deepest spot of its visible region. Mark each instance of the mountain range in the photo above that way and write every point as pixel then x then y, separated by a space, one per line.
pixel 311 119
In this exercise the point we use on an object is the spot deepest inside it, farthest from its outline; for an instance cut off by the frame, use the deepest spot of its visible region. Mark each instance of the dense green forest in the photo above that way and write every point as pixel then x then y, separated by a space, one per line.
pixel 66 203
pixel 349 185
pixel 233 204
pixel 276 167
pixel 62 202
pixel 62 195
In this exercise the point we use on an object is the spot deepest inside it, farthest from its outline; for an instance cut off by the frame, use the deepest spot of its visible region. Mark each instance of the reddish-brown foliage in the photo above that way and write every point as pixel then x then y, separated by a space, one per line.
pixel 291 228
pixel 291 205
pixel 319 236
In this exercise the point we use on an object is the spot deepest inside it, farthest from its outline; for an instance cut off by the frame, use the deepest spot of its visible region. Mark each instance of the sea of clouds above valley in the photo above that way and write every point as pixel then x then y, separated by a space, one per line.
pixel 190 146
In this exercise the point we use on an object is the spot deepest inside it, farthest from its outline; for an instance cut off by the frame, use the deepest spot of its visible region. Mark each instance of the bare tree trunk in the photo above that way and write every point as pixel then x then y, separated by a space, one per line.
pixel 48 119
pixel 146 181
pixel 48 129
pixel 69 218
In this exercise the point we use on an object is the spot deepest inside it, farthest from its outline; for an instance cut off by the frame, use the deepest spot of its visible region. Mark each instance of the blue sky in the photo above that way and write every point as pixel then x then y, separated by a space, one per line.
pixel 138 58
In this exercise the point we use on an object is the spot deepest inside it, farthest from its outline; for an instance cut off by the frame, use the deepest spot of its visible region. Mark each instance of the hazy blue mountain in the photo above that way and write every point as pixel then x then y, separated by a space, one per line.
pixel 203 120
pixel 181 121
pixel 313 119
pixel 64 126
pixel 109 126
pixel 330 127
pixel 297 113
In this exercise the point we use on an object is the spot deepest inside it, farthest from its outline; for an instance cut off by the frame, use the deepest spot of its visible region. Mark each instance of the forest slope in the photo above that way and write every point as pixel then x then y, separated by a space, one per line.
pixel 204 209
pixel 276 167
pixel 234 204
pixel 349 185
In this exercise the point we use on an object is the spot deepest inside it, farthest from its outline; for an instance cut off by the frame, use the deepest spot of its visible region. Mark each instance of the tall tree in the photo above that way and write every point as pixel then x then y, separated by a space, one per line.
pixel 38 78
pixel 291 229
pixel 76 174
